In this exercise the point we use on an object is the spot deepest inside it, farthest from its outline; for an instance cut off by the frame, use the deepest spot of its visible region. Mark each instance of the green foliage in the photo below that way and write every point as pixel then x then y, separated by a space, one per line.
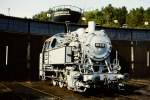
pixel 120 17
pixel 147 17
pixel 96 16
pixel 136 18
pixel 107 16
pixel 43 16
pixel 2 14
pixel 110 16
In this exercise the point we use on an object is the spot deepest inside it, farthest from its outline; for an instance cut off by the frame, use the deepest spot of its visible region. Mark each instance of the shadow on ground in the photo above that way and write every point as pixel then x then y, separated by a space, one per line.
pixel 105 92
pixel 18 96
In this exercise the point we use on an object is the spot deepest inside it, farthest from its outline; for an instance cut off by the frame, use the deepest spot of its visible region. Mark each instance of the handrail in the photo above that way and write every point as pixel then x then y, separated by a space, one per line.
pixel 62 7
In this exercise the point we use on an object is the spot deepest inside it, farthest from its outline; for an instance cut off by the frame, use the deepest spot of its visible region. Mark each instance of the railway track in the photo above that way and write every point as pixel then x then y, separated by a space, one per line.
pixel 43 91
pixel 144 82
pixel 100 95
pixel 19 91
pixel 137 90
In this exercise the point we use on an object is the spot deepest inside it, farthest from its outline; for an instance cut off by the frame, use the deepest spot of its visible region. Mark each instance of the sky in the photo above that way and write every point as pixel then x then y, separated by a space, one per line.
pixel 28 8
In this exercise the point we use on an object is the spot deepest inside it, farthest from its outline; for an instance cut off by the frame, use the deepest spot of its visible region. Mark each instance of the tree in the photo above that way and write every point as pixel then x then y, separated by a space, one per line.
pixel 120 15
pixel 108 14
pixel 43 16
pixel 136 17
pixel 147 17
pixel 95 15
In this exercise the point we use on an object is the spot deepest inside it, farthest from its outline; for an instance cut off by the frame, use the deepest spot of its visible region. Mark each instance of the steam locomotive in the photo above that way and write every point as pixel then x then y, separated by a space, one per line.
pixel 80 60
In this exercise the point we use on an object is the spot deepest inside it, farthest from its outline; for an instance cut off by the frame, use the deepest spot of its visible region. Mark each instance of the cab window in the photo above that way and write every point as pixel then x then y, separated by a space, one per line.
pixel 46 45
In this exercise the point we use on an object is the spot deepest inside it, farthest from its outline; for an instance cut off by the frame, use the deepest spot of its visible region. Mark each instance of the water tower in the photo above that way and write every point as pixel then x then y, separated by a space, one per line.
pixel 65 13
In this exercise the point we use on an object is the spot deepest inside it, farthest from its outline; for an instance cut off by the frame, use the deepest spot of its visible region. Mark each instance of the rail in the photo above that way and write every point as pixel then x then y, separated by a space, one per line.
pixel 43 92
